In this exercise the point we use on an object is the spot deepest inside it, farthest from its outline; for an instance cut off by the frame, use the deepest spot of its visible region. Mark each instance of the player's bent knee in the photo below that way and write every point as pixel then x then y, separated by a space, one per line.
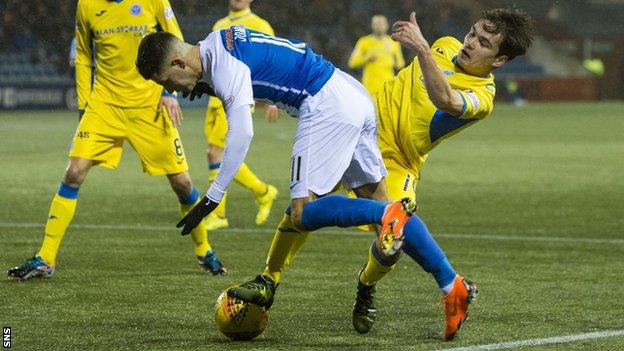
pixel 296 213
pixel 297 219
pixel 76 173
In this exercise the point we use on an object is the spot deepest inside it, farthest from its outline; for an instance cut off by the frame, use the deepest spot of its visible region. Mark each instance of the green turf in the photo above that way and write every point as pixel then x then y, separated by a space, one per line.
pixel 521 177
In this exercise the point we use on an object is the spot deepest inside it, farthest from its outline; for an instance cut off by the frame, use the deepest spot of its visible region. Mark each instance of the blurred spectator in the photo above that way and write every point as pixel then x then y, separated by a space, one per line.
pixel 377 55
pixel 43 30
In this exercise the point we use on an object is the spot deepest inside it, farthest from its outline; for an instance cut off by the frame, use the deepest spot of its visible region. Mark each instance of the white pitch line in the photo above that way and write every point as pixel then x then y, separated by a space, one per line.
pixel 497 237
pixel 543 341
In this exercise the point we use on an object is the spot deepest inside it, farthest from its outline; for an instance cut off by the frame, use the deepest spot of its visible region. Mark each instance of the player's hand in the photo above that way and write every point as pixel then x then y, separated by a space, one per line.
pixel 271 113
pixel 200 89
pixel 196 215
pixel 173 108
pixel 409 34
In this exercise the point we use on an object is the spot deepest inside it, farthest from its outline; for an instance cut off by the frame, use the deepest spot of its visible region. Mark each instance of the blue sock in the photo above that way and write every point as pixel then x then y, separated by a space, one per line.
pixel 190 198
pixel 341 211
pixel 215 165
pixel 67 191
pixel 422 247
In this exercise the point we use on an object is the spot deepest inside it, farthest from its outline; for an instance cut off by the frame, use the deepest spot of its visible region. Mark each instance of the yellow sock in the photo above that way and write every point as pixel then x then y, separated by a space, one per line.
pixel 61 213
pixel 249 180
pixel 287 241
pixel 220 210
pixel 199 234
pixel 375 269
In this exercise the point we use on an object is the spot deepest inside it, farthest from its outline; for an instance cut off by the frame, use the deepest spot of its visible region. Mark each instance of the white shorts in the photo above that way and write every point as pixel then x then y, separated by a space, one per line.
pixel 336 140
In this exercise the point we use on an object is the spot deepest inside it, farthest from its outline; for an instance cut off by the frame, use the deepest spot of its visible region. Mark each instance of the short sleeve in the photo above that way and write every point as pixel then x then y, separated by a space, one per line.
pixel 478 102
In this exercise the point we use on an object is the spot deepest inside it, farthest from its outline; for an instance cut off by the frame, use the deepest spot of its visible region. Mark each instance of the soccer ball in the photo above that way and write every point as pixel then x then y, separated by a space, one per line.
pixel 239 320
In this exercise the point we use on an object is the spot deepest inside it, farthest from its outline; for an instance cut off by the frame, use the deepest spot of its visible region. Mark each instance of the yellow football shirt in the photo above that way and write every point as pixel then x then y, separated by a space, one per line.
pixel 249 20
pixel 387 56
pixel 109 32
pixel 409 125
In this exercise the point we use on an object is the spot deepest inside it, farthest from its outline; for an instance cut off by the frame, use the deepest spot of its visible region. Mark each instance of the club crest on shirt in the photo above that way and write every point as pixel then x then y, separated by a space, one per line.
pixel 168 13
pixel 136 9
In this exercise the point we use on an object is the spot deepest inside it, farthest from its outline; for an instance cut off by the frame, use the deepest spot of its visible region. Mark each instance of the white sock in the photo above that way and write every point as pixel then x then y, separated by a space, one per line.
pixel 447 289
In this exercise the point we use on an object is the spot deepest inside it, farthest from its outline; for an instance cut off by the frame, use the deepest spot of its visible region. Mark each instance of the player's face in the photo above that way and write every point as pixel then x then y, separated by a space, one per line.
pixel 176 78
pixel 379 25
pixel 237 5
pixel 480 48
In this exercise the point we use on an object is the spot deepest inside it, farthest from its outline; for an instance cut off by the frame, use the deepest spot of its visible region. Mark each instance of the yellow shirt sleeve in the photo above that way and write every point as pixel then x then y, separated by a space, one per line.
pixel 399 61
pixel 84 56
pixel 358 56
pixel 166 18
pixel 478 102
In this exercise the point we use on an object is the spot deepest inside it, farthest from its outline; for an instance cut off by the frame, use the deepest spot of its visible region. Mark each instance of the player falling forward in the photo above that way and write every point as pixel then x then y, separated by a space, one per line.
pixel 215 128
pixel 448 87
pixel 120 106
pixel 377 55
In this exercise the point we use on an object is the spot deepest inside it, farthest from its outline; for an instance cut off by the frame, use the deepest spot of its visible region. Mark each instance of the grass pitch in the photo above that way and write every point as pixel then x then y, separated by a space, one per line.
pixel 527 203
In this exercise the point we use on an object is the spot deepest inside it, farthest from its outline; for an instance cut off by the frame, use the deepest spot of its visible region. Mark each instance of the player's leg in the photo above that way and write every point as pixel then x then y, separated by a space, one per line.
pixel 98 140
pixel 188 197
pixel 160 149
pixel 61 213
pixel 286 243
pixel 400 183
pixel 457 291
pixel 63 207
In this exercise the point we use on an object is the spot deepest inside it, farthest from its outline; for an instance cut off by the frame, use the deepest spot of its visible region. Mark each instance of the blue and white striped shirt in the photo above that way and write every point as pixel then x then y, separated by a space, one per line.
pixel 282 72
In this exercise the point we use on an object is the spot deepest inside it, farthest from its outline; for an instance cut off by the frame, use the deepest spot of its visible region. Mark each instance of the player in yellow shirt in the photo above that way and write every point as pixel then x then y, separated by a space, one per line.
pixel 377 55
pixel 215 128
pixel 120 105
pixel 448 87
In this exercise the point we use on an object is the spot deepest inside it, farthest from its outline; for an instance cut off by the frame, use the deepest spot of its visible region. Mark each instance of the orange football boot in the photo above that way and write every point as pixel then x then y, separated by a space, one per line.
pixel 456 305
pixel 394 219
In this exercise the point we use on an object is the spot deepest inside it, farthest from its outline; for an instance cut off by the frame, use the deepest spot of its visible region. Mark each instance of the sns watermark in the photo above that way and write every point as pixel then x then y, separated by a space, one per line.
pixel 6 337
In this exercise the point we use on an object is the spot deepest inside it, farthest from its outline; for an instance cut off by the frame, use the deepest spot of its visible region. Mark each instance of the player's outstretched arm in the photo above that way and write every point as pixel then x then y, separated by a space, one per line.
pixel 438 88
pixel 240 133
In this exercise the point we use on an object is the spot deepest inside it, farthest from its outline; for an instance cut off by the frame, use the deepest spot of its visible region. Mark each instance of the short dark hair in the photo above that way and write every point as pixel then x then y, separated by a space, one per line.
pixel 516 27
pixel 152 52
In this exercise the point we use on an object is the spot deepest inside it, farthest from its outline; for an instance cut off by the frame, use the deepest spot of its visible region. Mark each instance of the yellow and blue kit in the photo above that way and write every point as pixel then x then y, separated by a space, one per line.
pixel 119 104
pixel 387 56
pixel 215 126
pixel 409 125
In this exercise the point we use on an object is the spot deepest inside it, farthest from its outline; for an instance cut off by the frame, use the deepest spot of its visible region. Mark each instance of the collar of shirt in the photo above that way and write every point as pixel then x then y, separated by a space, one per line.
pixel 234 15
